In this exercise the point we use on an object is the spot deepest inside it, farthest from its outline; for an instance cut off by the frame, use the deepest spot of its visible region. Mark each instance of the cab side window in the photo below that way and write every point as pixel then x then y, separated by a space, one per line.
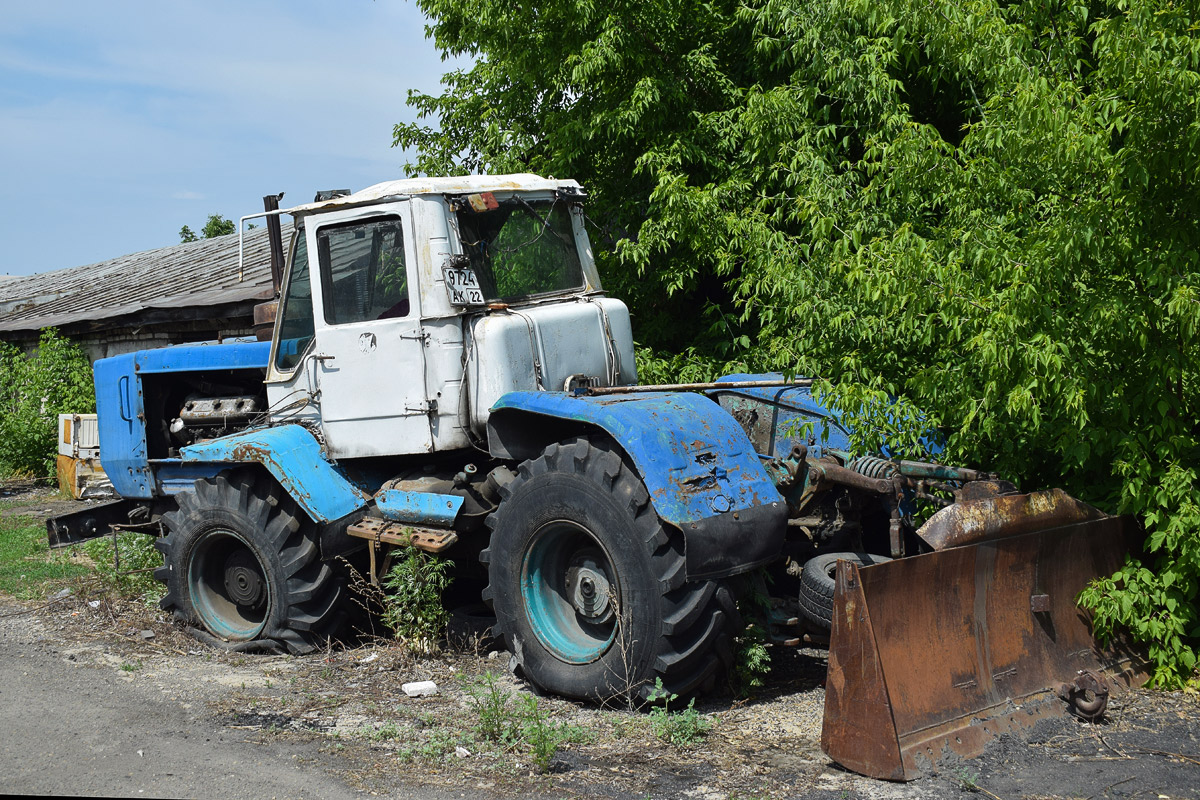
pixel 296 325
pixel 363 271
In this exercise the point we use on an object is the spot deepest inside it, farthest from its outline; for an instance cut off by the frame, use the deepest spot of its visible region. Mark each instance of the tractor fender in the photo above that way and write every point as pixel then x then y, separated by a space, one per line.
pixel 294 458
pixel 696 462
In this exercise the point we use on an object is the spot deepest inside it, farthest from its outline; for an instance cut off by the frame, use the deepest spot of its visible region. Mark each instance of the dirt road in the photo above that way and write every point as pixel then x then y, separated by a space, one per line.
pixel 106 697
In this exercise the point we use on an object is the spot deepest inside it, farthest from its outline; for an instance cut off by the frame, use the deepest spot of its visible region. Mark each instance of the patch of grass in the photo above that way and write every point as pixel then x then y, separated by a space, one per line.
pixel 435 746
pixel 387 732
pixel 29 569
pixel 133 576
pixel 131 666
pixel 625 726
pixel 680 728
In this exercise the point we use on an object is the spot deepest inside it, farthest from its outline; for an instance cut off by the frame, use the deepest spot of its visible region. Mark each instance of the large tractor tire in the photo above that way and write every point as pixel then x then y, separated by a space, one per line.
pixel 588 585
pixel 242 562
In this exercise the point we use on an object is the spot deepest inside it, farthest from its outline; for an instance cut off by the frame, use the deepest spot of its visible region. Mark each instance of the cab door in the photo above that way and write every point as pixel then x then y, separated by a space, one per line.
pixel 370 346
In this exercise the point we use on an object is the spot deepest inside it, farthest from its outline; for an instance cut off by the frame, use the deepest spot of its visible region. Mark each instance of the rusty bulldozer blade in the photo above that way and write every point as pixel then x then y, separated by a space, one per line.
pixel 932 657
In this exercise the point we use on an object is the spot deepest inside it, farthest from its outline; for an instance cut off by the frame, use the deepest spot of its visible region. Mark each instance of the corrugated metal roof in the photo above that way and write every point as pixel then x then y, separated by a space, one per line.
pixel 202 273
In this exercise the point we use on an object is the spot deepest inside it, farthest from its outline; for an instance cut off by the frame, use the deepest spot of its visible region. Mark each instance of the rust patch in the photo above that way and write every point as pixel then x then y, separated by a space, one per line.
pixel 951 644
pixel 980 520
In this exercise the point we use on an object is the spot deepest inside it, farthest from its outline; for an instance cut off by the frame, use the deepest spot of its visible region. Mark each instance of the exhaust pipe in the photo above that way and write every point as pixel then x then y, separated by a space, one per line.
pixel 275 235
pixel 264 313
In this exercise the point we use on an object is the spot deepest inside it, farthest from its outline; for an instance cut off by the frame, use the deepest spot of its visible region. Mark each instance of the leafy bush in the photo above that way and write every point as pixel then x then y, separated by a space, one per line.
pixel 1158 605
pixel 752 661
pixel 34 390
pixel 413 608
pixel 985 208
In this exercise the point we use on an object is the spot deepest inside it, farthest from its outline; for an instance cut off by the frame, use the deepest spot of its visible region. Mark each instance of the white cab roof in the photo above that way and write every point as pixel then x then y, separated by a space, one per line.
pixel 467 184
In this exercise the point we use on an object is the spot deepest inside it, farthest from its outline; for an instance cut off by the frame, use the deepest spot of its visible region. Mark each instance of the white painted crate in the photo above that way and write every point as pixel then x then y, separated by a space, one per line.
pixel 78 436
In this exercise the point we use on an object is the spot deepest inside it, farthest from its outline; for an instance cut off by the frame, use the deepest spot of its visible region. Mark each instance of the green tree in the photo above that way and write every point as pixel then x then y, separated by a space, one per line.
pixel 988 209
pixel 34 390
pixel 216 226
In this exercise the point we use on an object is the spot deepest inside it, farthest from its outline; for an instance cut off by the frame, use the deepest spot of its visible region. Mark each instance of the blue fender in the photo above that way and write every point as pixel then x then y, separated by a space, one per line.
pixel 293 456
pixel 699 467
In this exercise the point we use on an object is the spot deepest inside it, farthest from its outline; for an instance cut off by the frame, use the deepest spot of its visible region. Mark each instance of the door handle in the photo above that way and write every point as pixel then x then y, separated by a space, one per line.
pixel 123 398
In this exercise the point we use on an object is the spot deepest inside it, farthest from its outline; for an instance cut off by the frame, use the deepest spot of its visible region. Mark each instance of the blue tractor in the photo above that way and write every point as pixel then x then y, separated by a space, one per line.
pixel 445 372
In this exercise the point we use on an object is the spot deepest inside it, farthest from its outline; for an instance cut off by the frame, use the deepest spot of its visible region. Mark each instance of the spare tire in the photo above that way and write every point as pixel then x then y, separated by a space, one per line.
pixel 818 582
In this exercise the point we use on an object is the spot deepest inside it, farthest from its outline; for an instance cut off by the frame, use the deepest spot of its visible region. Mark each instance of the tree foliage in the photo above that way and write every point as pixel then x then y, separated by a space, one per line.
pixel 34 390
pixel 215 226
pixel 987 208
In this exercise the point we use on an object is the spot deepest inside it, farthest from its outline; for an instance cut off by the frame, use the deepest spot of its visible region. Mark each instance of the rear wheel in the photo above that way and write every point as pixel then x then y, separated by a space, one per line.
pixel 242 562
pixel 589 586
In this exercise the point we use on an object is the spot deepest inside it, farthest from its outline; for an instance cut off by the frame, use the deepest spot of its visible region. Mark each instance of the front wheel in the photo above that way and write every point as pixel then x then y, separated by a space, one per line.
pixel 242 562
pixel 589 586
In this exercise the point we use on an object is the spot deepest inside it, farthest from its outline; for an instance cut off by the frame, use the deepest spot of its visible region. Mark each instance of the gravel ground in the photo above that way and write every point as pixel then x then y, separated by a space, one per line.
pixel 342 713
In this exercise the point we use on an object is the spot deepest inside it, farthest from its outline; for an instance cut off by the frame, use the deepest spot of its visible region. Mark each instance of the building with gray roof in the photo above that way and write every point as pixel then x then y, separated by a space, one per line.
pixel 189 292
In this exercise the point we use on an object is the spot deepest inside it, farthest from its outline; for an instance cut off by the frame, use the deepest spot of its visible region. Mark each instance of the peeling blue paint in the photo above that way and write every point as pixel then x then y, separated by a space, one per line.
pixel 693 457
pixel 294 457
pixel 418 508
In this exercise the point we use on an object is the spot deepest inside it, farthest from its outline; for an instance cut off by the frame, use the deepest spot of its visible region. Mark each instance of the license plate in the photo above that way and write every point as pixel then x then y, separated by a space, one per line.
pixel 463 287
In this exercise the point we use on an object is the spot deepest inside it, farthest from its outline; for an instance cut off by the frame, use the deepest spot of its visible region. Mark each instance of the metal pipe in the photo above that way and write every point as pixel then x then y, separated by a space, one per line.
pixel 834 473
pixel 242 241
pixel 275 235
pixel 923 469
pixel 692 387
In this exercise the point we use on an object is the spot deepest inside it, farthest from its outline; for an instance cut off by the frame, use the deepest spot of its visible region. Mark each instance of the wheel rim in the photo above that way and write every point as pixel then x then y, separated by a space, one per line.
pixel 831 570
pixel 228 586
pixel 570 591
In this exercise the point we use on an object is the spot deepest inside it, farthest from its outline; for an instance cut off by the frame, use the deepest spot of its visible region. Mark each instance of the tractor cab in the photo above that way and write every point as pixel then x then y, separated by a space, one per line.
pixel 407 309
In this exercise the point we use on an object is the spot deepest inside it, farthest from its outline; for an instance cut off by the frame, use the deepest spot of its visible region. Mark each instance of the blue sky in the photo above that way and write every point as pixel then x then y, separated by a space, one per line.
pixel 120 122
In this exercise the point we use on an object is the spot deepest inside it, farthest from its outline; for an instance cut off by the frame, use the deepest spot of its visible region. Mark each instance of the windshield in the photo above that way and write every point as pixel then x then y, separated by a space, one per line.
pixel 520 247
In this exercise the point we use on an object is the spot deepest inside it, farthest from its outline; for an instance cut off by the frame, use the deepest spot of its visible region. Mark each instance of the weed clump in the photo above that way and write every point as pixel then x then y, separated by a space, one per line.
pixel 516 725
pixel 679 728
pixel 412 607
